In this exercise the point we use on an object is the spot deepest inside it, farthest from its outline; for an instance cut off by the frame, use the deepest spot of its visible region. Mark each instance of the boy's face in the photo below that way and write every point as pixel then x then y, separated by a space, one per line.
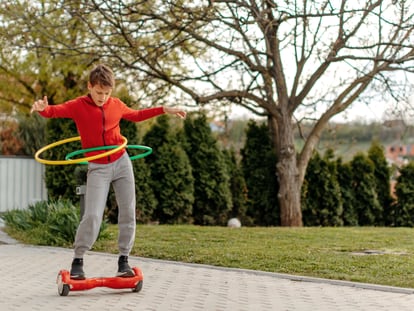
pixel 99 93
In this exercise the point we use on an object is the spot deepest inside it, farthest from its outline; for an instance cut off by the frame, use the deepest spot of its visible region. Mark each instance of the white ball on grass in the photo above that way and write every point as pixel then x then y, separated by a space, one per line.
pixel 234 223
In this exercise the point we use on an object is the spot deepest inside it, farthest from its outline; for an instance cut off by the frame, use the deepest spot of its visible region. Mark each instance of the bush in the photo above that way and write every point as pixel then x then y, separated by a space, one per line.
pixel 367 205
pixel 258 165
pixel 171 178
pixel 18 219
pixel 321 192
pixel 404 208
pixel 212 197
pixel 49 223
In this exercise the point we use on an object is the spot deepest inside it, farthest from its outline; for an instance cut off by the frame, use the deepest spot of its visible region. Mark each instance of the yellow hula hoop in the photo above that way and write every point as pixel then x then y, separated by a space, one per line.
pixel 75 161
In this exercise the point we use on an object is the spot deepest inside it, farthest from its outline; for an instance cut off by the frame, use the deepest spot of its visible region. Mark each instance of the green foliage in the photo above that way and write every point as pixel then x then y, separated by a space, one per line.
pixel 48 223
pixel 62 224
pixel 19 219
pixel 40 72
pixel 238 188
pixel 366 199
pixel 321 194
pixel 60 76
pixel 176 189
pixel 32 132
pixel 157 136
pixel 60 180
pixel 146 201
pixel 211 188
pixel 404 189
pixel 52 223
pixel 382 175
pixel 57 38
pixel 259 170
pixel 171 176
pixel 345 180
pixel 39 212
pixel 361 183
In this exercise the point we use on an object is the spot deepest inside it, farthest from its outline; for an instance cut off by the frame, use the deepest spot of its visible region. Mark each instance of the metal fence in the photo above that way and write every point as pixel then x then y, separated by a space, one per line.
pixel 21 182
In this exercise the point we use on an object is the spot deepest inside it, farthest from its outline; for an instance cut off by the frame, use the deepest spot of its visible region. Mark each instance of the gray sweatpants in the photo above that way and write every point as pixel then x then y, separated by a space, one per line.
pixel 100 177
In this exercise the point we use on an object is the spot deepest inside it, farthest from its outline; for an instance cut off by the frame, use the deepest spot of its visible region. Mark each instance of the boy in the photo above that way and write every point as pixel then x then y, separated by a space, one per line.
pixel 97 116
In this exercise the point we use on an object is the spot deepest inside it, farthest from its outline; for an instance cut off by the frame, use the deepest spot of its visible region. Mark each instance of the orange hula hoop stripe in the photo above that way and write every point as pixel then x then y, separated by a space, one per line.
pixel 75 161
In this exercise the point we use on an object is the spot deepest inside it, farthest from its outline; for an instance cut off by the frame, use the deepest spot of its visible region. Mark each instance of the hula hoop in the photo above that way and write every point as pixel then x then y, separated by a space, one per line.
pixel 80 160
pixel 148 151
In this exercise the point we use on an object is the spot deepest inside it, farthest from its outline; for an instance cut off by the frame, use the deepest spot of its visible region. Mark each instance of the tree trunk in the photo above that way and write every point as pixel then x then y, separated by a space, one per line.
pixel 289 183
pixel 289 193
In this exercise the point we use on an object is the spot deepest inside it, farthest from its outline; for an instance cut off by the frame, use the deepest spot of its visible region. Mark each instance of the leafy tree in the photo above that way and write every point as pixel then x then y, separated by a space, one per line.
pixel 345 180
pixel 366 200
pixel 337 55
pixel 171 175
pixel 322 201
pixel 212 197
pixel 35 71
pixel 382 176
pixel 404 189
pixel 259 170
pixel 31 61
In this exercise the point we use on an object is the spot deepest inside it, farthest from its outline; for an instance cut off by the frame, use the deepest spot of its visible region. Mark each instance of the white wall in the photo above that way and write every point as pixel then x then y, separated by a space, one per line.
pixel 21 182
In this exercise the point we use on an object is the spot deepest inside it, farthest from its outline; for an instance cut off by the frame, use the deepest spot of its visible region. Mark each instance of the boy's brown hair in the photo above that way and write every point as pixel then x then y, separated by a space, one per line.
pixel 102 75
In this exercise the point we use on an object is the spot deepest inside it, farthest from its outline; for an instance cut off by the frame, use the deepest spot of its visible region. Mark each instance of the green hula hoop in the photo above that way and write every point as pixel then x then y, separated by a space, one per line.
pixel 148 151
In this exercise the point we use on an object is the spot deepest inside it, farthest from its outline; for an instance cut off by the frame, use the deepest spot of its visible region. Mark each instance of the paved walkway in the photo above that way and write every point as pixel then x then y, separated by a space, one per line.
pixel 28 282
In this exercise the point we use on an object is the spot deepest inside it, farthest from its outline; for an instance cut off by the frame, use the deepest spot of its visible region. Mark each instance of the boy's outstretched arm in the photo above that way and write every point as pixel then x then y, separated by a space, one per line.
pixel 40 105
pixel 177 111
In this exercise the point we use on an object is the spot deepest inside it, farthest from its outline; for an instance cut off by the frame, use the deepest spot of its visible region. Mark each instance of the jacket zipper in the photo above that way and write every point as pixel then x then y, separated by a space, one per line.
pixel 103 132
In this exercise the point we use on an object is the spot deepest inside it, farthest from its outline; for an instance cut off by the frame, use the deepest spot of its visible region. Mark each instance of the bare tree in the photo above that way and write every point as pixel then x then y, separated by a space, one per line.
pixel 286 60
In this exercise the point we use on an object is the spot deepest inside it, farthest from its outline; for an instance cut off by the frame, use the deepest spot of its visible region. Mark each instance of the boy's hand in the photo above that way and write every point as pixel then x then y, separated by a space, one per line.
pixel 177 111
pixel 40 105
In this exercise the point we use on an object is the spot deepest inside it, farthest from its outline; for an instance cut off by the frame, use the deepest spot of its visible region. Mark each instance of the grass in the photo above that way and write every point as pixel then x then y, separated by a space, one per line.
pixel 332 253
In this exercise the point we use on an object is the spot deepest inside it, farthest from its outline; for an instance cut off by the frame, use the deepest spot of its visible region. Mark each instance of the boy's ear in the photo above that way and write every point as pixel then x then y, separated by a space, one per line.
pixel 89 86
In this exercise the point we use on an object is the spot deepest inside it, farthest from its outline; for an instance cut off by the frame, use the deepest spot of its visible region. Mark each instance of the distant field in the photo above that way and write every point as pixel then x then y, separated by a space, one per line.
pixel 345 150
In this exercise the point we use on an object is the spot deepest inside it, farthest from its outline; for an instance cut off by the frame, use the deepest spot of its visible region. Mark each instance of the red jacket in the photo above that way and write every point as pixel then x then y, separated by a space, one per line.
pixel 99 126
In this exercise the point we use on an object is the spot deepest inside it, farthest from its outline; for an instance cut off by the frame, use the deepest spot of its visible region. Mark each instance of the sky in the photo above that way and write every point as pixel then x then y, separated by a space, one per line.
pixel 361 112
pixel 380 108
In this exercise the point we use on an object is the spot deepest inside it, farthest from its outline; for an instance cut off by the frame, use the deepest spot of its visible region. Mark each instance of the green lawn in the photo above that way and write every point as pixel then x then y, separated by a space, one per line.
pixel 333 253
pixel 372 255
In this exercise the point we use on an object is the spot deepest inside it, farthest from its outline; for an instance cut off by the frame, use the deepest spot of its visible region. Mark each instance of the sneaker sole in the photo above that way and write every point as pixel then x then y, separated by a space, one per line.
pixel 126 274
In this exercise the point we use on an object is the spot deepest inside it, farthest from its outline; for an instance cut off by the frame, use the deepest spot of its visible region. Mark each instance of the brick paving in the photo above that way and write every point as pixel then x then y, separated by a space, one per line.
pixel 28 282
